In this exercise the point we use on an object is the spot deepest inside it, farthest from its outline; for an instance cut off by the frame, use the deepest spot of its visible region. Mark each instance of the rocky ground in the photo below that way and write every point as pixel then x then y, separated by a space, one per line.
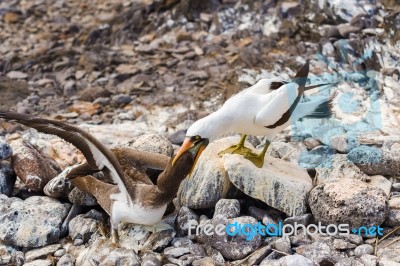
pixel 125 69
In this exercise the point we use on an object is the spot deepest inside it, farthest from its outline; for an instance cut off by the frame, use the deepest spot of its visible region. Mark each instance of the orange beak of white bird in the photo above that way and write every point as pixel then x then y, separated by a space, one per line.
pixel 195 145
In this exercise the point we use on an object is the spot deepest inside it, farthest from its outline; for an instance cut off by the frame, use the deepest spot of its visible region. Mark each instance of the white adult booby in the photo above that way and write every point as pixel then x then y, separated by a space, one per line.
pixel 264 109
pixel 134 198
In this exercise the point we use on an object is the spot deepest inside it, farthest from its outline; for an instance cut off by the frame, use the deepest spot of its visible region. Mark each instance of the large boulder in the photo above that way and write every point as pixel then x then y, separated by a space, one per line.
pixel 348 201
pixel 280 184
pixel 34 222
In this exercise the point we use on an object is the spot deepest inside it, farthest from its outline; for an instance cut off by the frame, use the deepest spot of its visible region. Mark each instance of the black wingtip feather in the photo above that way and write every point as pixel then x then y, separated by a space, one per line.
pixel 324 110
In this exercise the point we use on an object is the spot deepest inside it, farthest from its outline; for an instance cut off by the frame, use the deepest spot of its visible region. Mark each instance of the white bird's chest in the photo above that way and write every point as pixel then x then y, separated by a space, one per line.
pixel 136 213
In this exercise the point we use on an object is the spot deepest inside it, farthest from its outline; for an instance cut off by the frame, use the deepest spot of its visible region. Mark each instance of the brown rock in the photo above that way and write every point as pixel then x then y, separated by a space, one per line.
pixel 35 169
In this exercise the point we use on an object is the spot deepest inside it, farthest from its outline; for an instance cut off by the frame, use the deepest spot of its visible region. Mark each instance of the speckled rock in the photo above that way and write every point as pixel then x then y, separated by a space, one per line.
pixel 233 247
pixel 320 250
pixel 282 185
pixel 7 255
pixel 348 201
pixel 41 253
pixel 5 150
pixel 209 181
pixel 153 143
pixel 76 196
pixel 228 208
pixel 7 179
pixel 185 217
pixel 290 260
pixel 102 252
pixel 374 161
pixel 39 263
pixel 364 249
pixel 82 227
pixel 66 260
pixel 59 186
pixel 337 166
pixel 159 240
pixel 151 259
pixel 32 223
pixel 34 168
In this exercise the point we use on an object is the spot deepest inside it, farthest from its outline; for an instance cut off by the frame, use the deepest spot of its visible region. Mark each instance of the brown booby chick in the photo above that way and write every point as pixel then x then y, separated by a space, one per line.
pixel 134 199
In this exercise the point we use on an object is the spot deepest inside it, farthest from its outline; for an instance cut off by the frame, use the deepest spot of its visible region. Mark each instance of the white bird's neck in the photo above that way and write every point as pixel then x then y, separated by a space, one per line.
pixel 214 125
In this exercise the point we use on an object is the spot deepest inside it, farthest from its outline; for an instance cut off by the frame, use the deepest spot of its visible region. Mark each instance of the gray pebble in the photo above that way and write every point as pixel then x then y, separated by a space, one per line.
pixel 59 253
pixel 5 150
pixel 396 187
pixel 122 99
pixel 78 242
pixel 66 260
pixel 364 249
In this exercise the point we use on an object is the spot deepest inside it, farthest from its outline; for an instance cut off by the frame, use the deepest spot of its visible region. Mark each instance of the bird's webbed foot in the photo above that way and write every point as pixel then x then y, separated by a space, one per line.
pixel 238 149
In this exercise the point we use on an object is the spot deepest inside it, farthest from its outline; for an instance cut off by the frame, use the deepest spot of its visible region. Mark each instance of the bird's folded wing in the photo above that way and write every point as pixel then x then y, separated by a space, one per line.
pixel 143 158
pixel 100 190
pixel 276 105
pixel 96 154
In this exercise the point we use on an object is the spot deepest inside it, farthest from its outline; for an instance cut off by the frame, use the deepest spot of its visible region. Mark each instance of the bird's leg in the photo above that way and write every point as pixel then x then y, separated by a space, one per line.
pixel 114 230
pixel 238 148
pixel 258 159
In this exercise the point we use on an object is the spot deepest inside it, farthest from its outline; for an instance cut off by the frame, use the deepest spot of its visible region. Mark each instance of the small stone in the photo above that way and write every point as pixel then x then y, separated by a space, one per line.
pixel 78 242
pixel 151 259
pixel 396 187
pixel 70 88
pixel 348 262
pixel 374 161
pixel 41 253
pixel 207 261
pixel 176 252
pixel 352 238
pixel 76 196
pixel 59 186
pixel 122 99
pixel 236 245
pixel 290 260
pixel 197 75
pixel 159 240
pixel 337 166
pixel 7 179
pixel 341 244
pixel 318 251
pixel 60 253
pixel 66 260
pixel 364 249
pixel 311 143
pixel 33 167
pixel 82 228
pixel 393 218
pixel 227 208
pixel 17 75
pixel 185 218
pixel 5 150
pixel 368 260
pixel 39 263
pixel 283 245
